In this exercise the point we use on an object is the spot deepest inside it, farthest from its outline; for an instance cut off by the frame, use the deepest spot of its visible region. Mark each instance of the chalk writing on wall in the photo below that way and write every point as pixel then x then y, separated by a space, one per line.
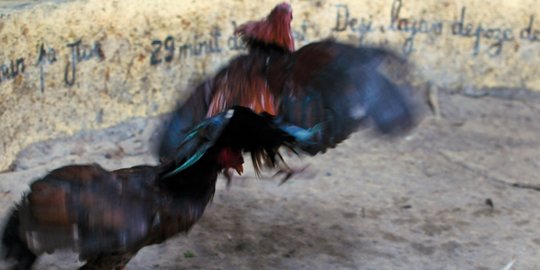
pixel 165 50
pixel 80 52
pixel 45 57
pixel 529 33
pixel 485 39
pixel 11 70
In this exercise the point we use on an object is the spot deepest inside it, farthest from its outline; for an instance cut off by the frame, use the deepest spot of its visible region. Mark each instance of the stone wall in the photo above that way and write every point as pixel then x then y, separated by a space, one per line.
pixel 67 66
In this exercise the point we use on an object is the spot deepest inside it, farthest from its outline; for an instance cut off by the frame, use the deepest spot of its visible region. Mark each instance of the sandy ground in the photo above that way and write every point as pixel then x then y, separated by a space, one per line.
pixel 416 202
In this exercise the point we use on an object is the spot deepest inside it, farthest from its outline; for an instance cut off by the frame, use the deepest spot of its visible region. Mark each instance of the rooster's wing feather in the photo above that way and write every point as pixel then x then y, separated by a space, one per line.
pixel 88 209
pixel 340 87
pixel 240 83
pixel 243 130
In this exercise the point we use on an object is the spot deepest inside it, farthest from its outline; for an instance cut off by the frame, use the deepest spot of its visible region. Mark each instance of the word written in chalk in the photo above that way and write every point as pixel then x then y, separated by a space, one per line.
pixel 486 38
pixel 166 50
pixel 80 52
pixel 12 70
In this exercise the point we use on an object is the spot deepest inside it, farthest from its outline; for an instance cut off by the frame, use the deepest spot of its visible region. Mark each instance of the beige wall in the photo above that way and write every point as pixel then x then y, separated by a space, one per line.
pixel 127 64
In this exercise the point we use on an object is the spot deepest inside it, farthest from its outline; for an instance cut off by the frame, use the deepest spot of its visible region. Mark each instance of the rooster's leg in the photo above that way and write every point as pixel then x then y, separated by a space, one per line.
pixel 289 172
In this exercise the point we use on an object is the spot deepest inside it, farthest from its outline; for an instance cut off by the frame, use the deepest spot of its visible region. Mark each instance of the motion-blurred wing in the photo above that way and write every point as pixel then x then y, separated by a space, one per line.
pixel 192 112
pixel 340 87
pixel 88 209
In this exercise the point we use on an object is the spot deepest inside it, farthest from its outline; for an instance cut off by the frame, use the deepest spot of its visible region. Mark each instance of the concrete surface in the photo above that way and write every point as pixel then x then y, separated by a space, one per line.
pixel 417 202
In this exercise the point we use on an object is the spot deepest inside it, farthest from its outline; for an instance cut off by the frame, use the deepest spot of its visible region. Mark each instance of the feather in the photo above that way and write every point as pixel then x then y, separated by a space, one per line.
pixel 327 83
pixel 108 216
pixel 275 29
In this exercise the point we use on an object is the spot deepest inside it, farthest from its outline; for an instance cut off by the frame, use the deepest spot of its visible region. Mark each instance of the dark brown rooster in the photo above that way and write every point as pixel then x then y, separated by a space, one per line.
pixel 108 216
pixel 329 83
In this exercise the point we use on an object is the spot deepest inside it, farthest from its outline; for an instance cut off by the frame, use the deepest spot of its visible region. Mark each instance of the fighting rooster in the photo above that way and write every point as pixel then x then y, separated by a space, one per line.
pixel 329 83
pixel 107 216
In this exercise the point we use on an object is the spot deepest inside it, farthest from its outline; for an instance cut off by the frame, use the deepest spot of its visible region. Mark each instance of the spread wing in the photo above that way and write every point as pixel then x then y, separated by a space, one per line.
pixel 339 86
pixel 334 85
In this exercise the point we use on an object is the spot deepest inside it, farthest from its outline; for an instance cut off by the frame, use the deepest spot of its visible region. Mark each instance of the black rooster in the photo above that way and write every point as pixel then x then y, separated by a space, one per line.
pixel 329 83
pixel 108 216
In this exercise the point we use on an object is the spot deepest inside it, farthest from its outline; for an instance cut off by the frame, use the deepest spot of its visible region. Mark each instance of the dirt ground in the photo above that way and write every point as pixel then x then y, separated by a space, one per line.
pixel 459 192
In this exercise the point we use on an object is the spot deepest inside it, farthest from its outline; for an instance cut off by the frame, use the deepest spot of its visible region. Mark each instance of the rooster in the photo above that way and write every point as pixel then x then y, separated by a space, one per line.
pixel 107 216
pixel 335 85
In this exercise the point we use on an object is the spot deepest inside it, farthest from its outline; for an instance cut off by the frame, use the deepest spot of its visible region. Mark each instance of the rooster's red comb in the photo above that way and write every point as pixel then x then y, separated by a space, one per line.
pixel 274 29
